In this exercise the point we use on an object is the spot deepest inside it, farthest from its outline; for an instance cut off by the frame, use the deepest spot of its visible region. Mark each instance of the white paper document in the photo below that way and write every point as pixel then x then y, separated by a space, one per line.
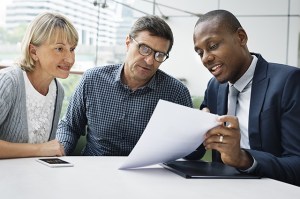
pixel 174 131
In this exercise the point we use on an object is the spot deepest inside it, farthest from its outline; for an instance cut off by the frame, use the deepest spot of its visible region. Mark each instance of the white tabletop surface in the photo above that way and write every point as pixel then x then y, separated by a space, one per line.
pixel 99 177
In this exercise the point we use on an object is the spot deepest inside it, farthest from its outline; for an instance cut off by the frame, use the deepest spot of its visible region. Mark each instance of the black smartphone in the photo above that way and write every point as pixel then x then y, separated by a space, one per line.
pixel 54 162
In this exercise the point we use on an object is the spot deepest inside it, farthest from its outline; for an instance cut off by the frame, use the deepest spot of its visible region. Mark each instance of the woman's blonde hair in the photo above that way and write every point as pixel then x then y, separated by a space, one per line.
pixel 45 27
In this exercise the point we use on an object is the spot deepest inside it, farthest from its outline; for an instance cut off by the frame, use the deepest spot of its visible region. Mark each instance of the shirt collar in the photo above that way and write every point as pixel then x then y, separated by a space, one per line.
pixel 118 73
pixel 246 79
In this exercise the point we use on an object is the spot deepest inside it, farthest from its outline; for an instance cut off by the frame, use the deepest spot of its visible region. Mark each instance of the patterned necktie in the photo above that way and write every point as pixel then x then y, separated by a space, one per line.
pixel 232 100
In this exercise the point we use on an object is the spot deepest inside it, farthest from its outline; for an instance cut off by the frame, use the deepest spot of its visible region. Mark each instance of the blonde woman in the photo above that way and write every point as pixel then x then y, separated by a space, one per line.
pixel 30 95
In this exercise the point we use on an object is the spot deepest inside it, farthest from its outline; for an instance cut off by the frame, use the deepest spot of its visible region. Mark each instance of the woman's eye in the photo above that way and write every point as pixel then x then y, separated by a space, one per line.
pixel 59 49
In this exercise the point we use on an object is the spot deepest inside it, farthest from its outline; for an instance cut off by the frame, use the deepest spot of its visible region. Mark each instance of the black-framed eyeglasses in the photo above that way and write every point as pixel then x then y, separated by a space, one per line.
pixel 146 50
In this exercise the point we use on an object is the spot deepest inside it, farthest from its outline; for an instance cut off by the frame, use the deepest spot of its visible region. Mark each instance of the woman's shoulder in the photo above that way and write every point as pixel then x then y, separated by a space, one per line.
pixel 10 75
pixel 11 83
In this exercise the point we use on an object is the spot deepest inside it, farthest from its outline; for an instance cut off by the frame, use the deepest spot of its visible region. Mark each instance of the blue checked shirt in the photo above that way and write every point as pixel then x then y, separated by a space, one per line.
pixel 115 115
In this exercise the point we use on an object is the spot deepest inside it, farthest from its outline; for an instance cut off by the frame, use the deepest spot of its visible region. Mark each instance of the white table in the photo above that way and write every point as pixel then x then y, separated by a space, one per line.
pixel 99 177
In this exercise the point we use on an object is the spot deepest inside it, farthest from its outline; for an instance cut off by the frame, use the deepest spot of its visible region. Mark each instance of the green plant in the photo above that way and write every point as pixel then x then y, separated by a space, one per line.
pixel 197 100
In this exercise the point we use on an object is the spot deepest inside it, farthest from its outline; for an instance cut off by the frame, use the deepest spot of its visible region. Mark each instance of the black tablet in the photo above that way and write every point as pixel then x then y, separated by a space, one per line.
pixel 209 170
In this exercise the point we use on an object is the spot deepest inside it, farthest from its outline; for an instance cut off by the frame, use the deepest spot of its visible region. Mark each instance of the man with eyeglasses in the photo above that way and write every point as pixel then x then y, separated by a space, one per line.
pixel 115 102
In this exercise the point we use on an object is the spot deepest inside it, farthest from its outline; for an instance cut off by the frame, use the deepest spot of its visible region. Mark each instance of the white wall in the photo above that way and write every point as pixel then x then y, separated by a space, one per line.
pixel 271 32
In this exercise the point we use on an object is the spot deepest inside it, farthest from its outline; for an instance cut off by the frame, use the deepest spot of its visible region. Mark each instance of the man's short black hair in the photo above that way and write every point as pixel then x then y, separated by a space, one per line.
pixel 224 17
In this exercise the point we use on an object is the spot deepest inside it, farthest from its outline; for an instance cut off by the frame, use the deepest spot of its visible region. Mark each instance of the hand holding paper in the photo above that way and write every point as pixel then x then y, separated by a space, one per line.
pixel 173 132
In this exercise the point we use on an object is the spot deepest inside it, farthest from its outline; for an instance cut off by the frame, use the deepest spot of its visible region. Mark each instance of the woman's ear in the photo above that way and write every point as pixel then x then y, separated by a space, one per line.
pixel 32 51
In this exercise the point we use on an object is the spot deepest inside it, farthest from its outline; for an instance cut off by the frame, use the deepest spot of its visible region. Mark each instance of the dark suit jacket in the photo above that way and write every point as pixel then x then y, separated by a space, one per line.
pixel 274 119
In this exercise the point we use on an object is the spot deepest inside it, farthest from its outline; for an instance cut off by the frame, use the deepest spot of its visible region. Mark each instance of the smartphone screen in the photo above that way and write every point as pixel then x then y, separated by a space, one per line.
pixel 55 162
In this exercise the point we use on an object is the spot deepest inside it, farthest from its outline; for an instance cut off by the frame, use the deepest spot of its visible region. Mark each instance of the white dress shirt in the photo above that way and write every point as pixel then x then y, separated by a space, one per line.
pixel 244 86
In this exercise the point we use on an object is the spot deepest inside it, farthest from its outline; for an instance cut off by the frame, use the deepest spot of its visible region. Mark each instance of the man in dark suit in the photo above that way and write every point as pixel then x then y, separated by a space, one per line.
pixel 263 136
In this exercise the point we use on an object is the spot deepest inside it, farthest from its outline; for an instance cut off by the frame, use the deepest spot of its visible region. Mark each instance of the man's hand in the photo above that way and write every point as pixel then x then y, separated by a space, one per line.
pixel 226 140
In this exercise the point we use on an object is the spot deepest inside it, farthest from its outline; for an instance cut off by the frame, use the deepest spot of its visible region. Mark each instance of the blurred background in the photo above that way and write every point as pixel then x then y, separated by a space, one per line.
pixel 273 28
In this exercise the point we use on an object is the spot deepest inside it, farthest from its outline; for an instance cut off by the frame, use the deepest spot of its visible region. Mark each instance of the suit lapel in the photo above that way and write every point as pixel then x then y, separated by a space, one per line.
pixel 259 88
pixel 222 104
